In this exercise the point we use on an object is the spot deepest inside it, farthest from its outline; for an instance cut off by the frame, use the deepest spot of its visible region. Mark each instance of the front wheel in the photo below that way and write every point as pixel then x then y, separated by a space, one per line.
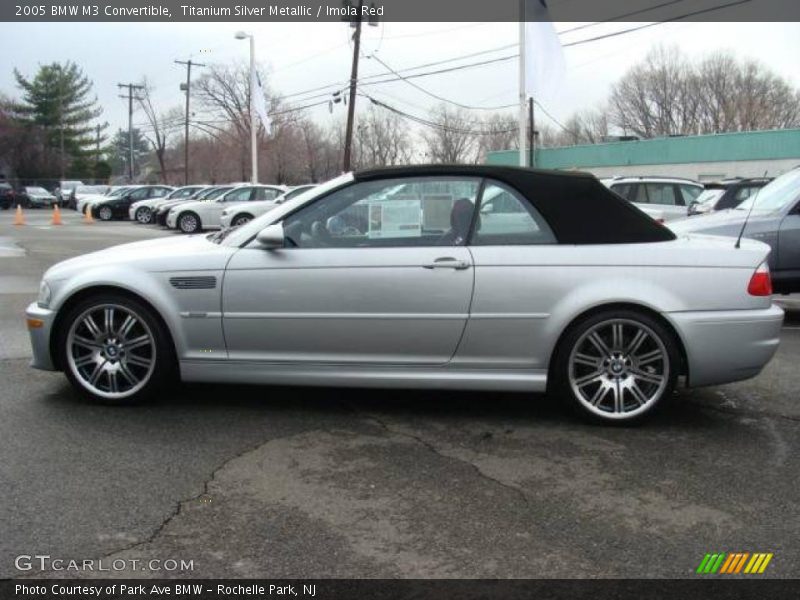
pixel 105 213
pixel 114 350
pixel 144 215
pixel 617 366
pixel 189 223
pixel 240 220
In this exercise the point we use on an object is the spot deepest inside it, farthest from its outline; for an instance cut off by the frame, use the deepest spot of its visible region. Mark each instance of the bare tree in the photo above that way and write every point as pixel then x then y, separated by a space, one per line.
pixel 666 95
pixel 385 139
pixel 452 137
pixel 500 131
pixel 161 126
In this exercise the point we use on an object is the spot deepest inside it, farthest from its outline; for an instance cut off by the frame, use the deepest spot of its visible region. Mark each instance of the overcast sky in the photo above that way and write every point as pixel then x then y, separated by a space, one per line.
pixel 301 56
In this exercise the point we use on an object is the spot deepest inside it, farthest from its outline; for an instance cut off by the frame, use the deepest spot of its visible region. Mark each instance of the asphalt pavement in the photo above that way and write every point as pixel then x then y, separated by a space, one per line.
pixel 294 482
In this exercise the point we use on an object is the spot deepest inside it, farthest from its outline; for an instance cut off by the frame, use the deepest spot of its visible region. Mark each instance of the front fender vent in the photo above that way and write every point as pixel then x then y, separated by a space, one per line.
pixel 200 282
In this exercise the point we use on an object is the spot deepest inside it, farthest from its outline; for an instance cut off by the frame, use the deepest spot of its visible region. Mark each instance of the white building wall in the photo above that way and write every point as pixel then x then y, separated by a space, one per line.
pixel 706 171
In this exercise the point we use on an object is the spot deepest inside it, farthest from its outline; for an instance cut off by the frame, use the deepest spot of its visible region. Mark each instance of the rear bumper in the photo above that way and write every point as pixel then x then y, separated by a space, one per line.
pixel 40 325
pixel 726 346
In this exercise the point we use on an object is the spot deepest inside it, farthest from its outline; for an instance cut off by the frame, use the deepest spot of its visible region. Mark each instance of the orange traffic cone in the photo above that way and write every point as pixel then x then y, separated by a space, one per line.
pixel 56 216
pixel 87 215
pixel 19 218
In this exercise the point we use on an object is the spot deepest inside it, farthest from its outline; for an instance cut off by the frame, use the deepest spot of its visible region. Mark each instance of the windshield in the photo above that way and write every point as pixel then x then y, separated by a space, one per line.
pixel 36 190
pixel 214 193
pixel 775 196
pixel 709 197
pixel 236 236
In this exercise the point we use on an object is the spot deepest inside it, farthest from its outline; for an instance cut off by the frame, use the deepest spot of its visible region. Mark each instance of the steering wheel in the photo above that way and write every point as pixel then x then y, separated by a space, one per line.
pixel 320 233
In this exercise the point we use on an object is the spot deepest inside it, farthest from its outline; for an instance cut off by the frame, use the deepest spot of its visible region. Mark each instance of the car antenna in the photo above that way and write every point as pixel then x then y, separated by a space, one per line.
pixel 747 218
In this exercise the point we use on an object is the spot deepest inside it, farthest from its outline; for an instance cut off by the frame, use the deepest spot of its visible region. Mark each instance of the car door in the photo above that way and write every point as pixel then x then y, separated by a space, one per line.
pixel 515 290
pixel 370 274
pixel 788 259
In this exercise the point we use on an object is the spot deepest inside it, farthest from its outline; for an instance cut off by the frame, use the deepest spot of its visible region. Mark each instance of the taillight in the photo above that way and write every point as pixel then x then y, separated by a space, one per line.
pixel 760 283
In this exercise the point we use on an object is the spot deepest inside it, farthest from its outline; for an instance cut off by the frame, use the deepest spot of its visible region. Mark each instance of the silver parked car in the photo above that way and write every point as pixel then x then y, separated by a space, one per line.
pixel 772 214
pixel 663 198
pixel 446 277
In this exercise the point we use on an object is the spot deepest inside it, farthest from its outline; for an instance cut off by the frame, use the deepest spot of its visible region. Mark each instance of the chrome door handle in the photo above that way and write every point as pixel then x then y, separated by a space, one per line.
pixel 447 262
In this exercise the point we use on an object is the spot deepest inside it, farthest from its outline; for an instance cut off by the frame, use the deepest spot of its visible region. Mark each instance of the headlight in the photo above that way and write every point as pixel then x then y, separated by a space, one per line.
pixel 44 295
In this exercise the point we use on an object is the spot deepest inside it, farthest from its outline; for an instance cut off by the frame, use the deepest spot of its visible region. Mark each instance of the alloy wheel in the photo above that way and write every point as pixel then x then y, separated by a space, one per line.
pixel 144 216
pixel 111 351
pixel 188 223
pixel 619 368
pixel 105 213
pixel 240 220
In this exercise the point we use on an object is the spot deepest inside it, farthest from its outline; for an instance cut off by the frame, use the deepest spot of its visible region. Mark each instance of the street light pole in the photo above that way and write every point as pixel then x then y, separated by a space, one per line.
pixel 253 129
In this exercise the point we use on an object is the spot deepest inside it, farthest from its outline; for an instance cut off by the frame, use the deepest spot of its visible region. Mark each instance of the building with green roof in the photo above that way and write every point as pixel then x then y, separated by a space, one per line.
pixel 700 157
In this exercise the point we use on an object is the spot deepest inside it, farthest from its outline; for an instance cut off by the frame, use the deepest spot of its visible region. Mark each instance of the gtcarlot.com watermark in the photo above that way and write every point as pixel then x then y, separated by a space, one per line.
pixel 45 562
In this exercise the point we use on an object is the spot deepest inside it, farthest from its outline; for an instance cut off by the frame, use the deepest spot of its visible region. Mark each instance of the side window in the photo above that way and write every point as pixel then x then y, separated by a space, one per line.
pixel 141 194
pixel 623 189
pixel 266 194
pixel 639 194
pixel 506 219
pixel 160 192
pixel 240 195
pixel 661 193
pixel 401 212
pixel 745 192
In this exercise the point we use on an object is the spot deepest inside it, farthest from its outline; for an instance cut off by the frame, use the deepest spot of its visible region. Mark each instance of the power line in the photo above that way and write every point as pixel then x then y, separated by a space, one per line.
pixel 656 23
pixel 436 96
pixel 622 16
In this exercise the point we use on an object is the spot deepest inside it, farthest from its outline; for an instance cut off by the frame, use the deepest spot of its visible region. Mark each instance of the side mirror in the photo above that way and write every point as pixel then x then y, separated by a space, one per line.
pixel 271 237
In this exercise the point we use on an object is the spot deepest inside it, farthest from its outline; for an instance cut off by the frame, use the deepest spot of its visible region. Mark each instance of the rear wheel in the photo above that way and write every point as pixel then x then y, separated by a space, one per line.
pixel 105 213
pixel 189 223
pixel 144 215
pixel 114 350
pixel 617 365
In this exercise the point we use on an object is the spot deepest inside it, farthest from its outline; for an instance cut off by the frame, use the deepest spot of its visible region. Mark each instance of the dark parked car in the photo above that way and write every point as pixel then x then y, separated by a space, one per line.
pixel 117 207
pixel 7 196
pixel 728 193
pixel 772 216
pixel 34 196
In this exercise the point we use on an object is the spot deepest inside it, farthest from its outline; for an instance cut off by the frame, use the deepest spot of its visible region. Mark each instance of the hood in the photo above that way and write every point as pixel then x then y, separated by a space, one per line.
pixel 181 253
pixel 191 204
pixel 255 205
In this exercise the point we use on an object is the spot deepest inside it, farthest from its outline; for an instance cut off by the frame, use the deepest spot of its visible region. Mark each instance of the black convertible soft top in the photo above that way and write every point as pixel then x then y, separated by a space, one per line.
pixel 578 208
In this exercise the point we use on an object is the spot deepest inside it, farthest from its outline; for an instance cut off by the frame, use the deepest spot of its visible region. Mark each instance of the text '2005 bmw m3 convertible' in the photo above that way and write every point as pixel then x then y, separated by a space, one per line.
pixel 459 277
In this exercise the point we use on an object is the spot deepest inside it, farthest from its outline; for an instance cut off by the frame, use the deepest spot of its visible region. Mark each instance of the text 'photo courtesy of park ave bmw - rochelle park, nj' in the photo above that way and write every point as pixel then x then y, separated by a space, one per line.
pixel 350 299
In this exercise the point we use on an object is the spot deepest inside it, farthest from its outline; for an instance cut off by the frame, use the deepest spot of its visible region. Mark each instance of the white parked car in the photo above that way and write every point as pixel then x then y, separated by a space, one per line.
pixel 239 214
pixel 668 196
pixel 142 210
pixel 193 217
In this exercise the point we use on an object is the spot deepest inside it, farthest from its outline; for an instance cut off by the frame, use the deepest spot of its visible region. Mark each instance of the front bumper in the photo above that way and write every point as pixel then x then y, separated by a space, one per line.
pixel 132 213
pixel 40 325
pixel 172 219
pixel 726 346
pixel 225 221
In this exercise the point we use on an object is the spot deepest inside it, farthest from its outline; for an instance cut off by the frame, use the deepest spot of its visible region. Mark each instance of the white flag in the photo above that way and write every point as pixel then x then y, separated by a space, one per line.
pixel 259 101
pixel 544 57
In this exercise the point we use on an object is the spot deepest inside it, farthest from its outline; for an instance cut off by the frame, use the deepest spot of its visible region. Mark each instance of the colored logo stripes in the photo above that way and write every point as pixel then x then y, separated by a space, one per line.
pixel 733 563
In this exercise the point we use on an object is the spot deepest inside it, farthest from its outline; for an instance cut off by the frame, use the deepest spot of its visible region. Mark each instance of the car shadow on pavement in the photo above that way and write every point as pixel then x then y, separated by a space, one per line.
pixel 318 403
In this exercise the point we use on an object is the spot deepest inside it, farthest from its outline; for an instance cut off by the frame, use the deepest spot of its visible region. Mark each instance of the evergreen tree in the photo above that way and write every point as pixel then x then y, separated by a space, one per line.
pixel 59 100
pixel 118 152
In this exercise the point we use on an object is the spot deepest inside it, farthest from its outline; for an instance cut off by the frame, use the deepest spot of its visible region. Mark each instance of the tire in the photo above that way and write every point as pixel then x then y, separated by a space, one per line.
pixel 144 215
pixel 241 219
pixel 616 366
pixel 189 222
pixel 105 213
pixel 124 360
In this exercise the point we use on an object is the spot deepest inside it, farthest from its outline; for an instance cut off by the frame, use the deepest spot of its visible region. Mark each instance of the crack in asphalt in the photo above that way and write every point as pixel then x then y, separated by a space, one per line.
pixel 176 512
pixel 429 446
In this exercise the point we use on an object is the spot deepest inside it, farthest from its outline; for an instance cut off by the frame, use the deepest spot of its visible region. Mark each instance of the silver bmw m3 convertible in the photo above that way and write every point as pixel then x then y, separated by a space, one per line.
pixel 457 277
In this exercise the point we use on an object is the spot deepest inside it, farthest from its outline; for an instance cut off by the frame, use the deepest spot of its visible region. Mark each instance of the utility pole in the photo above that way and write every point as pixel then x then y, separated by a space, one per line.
pixel 187 88
pixel 130 97
pixel 351 108
pixel 531 135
